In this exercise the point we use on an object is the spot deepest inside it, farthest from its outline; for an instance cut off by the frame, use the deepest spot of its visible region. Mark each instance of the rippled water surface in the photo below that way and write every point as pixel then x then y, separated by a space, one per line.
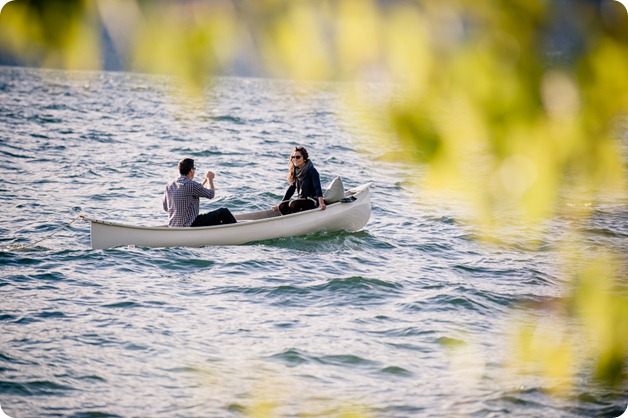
pixel 408 317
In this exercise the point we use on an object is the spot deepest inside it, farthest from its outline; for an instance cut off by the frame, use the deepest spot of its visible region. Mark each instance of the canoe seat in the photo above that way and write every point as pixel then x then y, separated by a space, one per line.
pixel 334 192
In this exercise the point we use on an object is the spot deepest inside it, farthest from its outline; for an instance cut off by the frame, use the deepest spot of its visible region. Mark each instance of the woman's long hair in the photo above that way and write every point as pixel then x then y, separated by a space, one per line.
pixel 292 177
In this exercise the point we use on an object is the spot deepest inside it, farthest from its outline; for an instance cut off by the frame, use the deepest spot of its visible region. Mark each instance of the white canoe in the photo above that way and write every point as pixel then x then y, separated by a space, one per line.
pixel 351 214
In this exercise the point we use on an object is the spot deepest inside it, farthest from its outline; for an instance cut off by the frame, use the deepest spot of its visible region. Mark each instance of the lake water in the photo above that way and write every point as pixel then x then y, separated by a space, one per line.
pixel 409 317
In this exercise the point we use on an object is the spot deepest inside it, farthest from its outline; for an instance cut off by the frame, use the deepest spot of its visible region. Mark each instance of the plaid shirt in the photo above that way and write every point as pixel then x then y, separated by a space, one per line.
pixel 181 200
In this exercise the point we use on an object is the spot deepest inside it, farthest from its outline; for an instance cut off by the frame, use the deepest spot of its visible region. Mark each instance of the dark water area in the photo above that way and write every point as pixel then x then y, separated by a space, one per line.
pixel 410 316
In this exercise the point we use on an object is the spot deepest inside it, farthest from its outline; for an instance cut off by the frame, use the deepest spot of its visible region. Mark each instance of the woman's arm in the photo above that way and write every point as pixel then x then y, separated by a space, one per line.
pixel 318 190
pixel 286 196
pixel 315 179
pixel 289 192
pixel 321 203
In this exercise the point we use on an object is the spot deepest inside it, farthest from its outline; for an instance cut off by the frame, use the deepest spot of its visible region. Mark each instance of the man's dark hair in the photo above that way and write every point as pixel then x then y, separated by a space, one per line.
pixel 185 165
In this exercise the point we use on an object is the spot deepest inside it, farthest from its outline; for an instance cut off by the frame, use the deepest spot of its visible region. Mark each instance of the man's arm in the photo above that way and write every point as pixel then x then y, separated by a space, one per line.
pixel 209 179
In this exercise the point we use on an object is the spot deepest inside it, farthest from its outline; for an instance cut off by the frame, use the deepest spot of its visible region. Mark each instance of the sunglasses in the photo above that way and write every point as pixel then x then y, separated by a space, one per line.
pixel 296 157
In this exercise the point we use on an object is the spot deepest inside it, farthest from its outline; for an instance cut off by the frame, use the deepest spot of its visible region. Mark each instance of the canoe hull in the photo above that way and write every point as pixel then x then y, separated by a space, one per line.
pixel 338 216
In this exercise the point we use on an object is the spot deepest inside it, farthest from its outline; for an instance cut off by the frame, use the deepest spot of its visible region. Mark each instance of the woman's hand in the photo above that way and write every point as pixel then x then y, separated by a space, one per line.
pixel 321 203
pixel 275 208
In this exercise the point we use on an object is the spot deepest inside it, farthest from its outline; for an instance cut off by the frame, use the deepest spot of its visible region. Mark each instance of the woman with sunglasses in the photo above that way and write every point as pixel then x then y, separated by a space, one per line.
pixel 304 179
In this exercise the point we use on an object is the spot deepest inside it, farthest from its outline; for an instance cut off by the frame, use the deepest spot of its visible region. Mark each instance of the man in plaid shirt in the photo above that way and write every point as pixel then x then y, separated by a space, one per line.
pixel 181 199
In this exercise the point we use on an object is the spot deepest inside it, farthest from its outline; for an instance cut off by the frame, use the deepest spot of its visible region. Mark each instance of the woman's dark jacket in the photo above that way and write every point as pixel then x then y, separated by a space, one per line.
pixel 309 187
